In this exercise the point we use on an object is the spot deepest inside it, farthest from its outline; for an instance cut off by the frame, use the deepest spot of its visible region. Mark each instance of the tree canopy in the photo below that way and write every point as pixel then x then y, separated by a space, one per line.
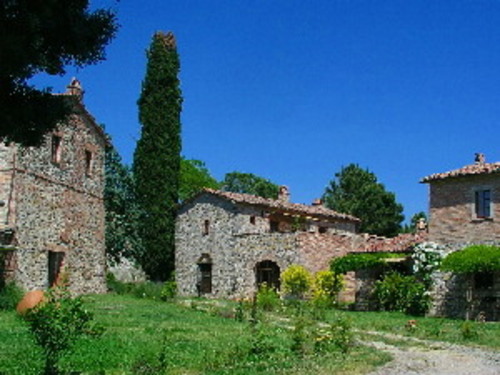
pixel 157 156
pixel 194 176
pixel 356 191
pixel 44 36
pixel 249 183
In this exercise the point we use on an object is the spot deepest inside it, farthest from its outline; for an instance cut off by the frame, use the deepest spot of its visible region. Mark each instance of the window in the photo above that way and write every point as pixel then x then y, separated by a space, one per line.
pixel 322 230
pixel 55 263
pixel 274 226
pixel 56 149
pixel 483 203
pixel 88 162
pixel 252 220
pixel 206 227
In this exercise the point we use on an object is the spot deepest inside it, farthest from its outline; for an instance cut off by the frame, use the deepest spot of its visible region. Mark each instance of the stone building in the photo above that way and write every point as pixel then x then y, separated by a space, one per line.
pixel 465 210
pixel 229 243
pixel 51 205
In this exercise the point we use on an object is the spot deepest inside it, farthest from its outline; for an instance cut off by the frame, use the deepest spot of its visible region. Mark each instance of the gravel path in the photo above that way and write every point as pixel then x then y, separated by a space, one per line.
pixel 435 358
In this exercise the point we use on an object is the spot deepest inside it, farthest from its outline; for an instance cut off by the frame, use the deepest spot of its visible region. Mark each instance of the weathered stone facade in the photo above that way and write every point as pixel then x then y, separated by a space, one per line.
pixel 52 202
pixel 238 236
pixel 465 210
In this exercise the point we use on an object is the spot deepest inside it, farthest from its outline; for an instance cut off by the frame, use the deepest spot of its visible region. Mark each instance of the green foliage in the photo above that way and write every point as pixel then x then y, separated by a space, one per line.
pixel 355 262
pixel 468 330
pixel 44 37
pixel 168 291
pixel 10 295
pixel 122 210
pixel 472 259
pixel 326 286
pixel 249 183
pixel 356 191
pixel 402 293
pixel 426 258
pixel 296 281
pixel 56 325
pixel 157 156
pixel 335 336
pixel 194 176
pixel 267 298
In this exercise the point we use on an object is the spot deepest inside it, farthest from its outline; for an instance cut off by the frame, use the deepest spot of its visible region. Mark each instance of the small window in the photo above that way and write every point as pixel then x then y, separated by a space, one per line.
pixel 274 226
pixel 322 230
pixel 206 227
pixel 252 220
pixel 56 149
pixel 88 162
pixel 483 203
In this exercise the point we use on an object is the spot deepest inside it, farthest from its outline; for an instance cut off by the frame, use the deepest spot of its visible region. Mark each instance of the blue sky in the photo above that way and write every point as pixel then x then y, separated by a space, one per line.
pixel 293 90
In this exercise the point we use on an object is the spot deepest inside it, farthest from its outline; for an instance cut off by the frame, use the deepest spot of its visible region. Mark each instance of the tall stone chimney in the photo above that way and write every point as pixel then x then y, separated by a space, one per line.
pixel 75 88
pixel 284 194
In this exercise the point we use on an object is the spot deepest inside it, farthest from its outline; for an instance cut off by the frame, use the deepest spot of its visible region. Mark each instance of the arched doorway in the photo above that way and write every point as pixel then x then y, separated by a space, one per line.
pixel 204 282
pixel 267 272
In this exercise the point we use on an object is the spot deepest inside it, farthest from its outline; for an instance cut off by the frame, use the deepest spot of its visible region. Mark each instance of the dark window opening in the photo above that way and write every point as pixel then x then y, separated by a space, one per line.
pixel 483 203
pixel 483 280
pixel 322 229
pixel 55 263
pixel 274 226
pixel 56 149
pixel 205 285
pixel 252 220
pixel 88 162
pixel 206 227
pixel 267 272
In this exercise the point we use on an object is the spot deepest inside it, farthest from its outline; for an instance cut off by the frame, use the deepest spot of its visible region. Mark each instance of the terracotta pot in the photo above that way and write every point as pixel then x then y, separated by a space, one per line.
pixel 30 300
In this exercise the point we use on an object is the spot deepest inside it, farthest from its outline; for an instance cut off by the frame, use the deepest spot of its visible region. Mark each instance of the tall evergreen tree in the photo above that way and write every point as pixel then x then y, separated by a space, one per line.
pixel 157 156
pixel 356 191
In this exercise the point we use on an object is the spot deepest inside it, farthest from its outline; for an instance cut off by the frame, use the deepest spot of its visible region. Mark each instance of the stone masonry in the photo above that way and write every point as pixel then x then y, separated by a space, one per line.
pixel 51 199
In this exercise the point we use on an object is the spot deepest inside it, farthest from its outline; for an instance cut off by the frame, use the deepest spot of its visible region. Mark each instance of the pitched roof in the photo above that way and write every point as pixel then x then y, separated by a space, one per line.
pixel 478 168
pixel 278 205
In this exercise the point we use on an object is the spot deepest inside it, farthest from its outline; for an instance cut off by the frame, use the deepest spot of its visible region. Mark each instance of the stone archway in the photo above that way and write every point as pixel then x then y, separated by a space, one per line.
pixel 267 272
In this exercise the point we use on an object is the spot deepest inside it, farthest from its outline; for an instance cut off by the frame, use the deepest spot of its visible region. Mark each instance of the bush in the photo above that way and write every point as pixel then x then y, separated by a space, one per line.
pixel 267 298
pixel 355 262
pixel 57 324
pixel 402 293
pixel 168 291
pixel 147 289
pixel 326 286
pixel 336 336
pixel 472 259
pixel 296 281
pixel 10 295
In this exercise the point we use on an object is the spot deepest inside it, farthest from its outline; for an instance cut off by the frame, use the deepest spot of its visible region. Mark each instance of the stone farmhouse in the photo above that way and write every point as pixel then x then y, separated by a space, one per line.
pixel 465 210
pixel 227 244
pixel 51 206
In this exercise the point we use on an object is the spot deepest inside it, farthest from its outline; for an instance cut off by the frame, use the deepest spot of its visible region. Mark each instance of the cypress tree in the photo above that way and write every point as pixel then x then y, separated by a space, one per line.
pixel 157 156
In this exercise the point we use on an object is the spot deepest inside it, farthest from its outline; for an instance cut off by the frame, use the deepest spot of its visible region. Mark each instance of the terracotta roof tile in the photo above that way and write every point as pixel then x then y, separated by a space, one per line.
pixel 468 170
pixel 292 208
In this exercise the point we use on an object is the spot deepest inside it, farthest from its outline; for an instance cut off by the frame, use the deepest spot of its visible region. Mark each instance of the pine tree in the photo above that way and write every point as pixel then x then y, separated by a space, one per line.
pixel 157 156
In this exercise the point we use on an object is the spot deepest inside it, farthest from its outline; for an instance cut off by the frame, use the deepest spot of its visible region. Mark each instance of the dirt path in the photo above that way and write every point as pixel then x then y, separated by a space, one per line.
pixel 423 357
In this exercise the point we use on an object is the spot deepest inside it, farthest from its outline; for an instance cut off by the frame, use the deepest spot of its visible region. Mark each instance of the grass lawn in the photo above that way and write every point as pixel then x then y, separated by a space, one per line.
pixel 143 336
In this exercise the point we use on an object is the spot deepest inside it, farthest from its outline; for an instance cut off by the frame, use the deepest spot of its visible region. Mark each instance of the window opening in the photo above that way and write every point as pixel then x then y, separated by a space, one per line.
pixel 252 220
pixel 483 203
pixel 88 162
pixel 274 226
pixel 267 272
pixel 56 149
pixel 206 227
pixel 322 229
pixel 55 263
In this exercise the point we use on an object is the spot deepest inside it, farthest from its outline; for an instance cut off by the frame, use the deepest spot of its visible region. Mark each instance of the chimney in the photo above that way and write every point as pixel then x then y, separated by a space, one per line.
pixel 421 225
pixel 75 88
pixel 479 158
pixel 283 194
pixel 317 202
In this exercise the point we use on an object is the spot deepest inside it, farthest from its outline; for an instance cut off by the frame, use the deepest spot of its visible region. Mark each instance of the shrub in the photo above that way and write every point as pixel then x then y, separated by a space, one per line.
pixel 168 291
pixel 472 259
pixel 10 295
pixel 426 258
pixel 402 293
pixel 335 336
pixel 326 286
pixel 147 289
pixel 296 281
pixel 267 298
pixel 57 324
pixel 355 262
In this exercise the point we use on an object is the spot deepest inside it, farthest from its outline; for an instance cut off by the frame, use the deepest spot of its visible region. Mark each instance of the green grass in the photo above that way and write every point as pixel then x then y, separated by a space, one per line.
pixel 439 329
pixel 139 332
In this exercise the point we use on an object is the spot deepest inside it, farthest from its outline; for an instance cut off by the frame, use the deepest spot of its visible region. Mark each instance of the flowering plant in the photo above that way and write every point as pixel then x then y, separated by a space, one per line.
pixel 426 258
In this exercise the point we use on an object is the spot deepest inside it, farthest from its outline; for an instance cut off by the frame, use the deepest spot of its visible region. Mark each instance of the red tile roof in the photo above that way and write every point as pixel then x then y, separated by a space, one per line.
pixel 401 243
pixel 468 170
pixel 275 204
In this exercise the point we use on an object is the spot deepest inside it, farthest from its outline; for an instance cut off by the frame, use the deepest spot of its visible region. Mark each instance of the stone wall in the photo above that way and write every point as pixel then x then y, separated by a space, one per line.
pixel 58 207
pixel 452 215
